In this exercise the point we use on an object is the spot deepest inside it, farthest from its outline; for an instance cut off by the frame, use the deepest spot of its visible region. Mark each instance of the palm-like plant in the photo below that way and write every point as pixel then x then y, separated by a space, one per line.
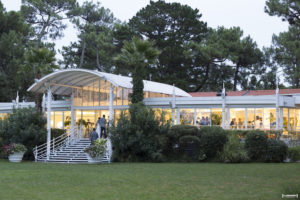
pixel 138 54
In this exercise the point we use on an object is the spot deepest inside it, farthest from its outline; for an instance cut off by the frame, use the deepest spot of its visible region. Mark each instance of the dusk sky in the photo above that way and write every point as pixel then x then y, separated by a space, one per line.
pixel 247 14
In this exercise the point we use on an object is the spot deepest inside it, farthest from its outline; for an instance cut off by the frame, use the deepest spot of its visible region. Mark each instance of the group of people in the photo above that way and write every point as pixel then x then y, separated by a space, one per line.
pixel 204 121
pixel 257 124
pixel 102 123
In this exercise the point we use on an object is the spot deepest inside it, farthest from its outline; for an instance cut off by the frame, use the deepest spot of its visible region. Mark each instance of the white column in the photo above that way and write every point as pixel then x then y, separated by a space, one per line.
pixel 48 122
pixel 111 103
pixel 281 118
pixel 173 105
pixel 277 109
pixel 228 118
pixel 195 116
pixel 178 116
pixel 72 118
pixel 289 126
pixel 223 107
pixel 246 118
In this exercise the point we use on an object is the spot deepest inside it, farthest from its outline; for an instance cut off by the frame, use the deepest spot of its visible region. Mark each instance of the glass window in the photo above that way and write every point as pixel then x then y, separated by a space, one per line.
pixel 187 116
pixel 269 119
pixel 237 118
pixel 96 93
pixel 88 120
pixel 52 119
pixel 118 96
pixel 167 114
pixel 203 117
pixel 250 118
pixel 67 119
pixel 285 119
pixel 216 116
pixel 258 118
pixel 297 119
pixel 158 113
pixel 292 119
pixel 85 94
pixel 58 120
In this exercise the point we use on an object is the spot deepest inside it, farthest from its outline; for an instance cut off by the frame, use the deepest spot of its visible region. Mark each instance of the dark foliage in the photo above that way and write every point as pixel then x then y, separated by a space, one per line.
pixel 138 137
pixel 256 145
pixel 25 126
pixel 276 151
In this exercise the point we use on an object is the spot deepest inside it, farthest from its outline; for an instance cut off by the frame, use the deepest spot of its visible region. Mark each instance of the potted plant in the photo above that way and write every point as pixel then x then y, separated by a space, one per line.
pixel 15 152
pixel 96 151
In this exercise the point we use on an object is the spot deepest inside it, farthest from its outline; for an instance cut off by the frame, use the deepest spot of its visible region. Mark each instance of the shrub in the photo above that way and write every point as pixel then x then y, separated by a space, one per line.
pixel 212 141
pixel 189 147
pixel 234 151
pixel 97 149
pixel 294 153
pixel 13 148
pixel 171 147
pixel 256 145
pixel 138 136
pixel 56 132
pixel 26 126
pixel 239 133
pixel 276 151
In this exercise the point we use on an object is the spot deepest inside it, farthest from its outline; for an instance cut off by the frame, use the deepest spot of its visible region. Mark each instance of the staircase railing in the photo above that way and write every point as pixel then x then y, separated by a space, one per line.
pixel 108 149
pixel 40 152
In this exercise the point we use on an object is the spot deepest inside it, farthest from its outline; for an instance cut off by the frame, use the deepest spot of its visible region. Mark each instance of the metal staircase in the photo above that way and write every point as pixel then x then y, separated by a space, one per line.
pixel 67 150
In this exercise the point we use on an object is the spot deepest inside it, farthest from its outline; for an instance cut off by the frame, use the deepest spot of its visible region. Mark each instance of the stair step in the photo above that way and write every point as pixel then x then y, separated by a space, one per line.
pixel 73 153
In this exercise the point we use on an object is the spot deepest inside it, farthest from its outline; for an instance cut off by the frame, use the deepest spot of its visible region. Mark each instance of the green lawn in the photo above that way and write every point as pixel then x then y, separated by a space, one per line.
pixel 30 181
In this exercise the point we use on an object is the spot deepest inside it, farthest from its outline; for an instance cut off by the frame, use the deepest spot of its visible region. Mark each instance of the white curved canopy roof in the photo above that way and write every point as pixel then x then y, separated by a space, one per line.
pixel 61 79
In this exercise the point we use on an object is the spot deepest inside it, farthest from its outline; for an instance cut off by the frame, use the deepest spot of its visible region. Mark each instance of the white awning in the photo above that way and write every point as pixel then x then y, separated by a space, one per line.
pixel 61 79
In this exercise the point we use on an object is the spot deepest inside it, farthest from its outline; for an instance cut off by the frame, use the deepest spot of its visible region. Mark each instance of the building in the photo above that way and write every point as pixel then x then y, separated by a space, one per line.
pixel 90 94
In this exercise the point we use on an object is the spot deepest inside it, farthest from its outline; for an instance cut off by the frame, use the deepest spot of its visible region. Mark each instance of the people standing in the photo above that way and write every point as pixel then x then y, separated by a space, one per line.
pixel 94 136
pixel 102 123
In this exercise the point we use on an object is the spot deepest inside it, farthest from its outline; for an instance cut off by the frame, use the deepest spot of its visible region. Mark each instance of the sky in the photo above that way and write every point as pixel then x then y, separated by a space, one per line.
pixel 247 14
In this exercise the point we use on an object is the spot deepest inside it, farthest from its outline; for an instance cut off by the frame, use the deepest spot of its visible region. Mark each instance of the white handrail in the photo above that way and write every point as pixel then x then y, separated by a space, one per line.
pixel 40 152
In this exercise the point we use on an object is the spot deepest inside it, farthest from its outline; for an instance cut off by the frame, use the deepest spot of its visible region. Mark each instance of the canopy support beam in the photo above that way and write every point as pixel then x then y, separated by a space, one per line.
pixel 49 97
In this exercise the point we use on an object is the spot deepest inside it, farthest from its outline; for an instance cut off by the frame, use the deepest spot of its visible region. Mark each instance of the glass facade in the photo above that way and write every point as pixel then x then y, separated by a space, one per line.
pixel 97 94
pixel 237 118
pixel 187 116
pixel 203 117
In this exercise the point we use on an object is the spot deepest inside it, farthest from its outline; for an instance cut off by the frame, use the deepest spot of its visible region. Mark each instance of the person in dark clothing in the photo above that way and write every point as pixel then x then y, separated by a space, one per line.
pixel 102 123
pixel 94 136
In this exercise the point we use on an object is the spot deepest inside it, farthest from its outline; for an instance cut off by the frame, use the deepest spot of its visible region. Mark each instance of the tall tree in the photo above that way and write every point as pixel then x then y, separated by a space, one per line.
pixel 248 61
pixel 288 10
pixel 286 53
pixel 171 26
pixel 94 23
pixel 139 55
pixel 13 42
pixel 224 57
pixel 46 17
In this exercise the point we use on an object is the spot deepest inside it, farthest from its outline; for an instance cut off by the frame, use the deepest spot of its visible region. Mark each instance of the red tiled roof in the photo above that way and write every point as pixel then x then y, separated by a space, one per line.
pixel 247 93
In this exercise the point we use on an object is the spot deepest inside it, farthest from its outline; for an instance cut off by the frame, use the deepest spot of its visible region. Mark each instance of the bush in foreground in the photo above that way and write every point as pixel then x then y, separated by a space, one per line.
pixel 276 151
pixel 294 153
pixel 212 141
pixel 25 126
pixel 138 137
pixel 256 145
pixel 234 151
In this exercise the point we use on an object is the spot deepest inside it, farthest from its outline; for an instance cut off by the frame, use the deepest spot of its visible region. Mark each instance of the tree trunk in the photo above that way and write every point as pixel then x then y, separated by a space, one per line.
pixel 235 77
pixel 82 54
pixel 98 63
pixel 204 79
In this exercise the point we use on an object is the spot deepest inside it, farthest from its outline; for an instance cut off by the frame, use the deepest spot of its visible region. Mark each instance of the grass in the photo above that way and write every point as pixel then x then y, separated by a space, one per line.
pixel 174 181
